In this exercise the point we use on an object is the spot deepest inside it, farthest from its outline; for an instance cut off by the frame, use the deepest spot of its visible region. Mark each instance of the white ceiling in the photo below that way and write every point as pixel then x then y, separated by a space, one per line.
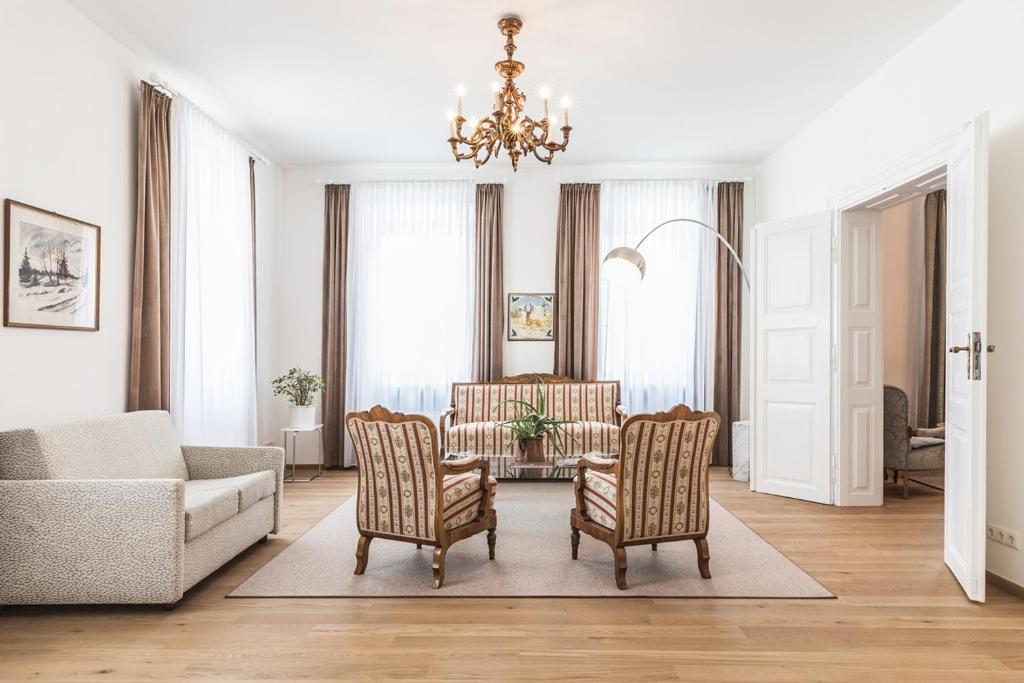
pixel 322 81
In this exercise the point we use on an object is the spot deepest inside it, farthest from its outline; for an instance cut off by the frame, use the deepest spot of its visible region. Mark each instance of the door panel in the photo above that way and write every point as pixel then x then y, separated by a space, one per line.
pixel 792 348
pixel 966 374
pixel 859 358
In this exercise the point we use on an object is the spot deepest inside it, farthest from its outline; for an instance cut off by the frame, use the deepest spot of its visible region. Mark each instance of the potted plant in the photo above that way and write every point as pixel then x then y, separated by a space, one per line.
pixel 530 425
pixel 300 386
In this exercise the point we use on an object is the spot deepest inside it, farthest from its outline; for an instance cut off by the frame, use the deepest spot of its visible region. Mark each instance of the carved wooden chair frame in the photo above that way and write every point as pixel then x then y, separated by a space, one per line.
pixel 487 519
pixel 579 521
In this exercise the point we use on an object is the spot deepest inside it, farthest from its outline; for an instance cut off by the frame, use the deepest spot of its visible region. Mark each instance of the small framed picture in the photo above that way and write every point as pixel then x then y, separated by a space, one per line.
pixel 531 317
pixel 51 270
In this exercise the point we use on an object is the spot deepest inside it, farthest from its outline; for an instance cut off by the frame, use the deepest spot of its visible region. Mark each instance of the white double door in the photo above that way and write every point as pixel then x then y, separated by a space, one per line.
pixel 817 381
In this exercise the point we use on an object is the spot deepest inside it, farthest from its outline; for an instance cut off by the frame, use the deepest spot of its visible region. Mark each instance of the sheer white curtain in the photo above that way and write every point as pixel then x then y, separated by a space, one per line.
pixel 213 360
pixel 657 336
pixel 410 294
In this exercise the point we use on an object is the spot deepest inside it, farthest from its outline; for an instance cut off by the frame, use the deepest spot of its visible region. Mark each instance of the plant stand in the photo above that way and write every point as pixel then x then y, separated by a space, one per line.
pixel 293 431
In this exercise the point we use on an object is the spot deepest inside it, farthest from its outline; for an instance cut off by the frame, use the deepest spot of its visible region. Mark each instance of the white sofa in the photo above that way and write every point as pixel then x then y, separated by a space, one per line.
pixel 113 510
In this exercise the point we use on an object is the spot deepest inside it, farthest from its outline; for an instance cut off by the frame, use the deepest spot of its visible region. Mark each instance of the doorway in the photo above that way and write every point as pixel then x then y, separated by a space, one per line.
pixel 817 354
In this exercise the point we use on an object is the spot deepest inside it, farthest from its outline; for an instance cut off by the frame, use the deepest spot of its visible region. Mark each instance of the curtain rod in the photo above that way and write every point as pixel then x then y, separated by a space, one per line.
pixel 321 181
pixel 160 84
pixel 491 181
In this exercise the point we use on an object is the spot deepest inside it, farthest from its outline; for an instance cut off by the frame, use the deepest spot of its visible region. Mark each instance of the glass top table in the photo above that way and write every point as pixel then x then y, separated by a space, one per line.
pixel 506 467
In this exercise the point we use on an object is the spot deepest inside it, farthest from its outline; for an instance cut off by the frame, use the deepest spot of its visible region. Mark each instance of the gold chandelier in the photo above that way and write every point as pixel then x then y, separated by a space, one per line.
pixel 507 126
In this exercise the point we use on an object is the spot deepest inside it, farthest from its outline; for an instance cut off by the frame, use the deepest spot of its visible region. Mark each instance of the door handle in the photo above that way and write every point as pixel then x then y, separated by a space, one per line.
pixel 958 349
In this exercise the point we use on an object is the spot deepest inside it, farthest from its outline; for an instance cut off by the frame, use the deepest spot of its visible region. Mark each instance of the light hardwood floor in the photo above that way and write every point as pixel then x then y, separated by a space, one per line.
pixel 899 615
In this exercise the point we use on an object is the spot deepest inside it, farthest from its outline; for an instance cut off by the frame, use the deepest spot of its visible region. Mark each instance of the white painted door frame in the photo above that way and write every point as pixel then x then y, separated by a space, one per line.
pixel 852 462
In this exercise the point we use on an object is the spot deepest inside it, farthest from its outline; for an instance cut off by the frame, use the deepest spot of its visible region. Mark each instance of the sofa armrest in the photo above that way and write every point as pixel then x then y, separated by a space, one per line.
pixel 621 413
pixel 91 541
pixel 443 423
pixel 215 462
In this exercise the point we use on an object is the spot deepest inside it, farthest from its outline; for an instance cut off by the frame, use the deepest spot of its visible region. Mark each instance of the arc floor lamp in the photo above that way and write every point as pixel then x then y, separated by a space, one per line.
pixel 628 264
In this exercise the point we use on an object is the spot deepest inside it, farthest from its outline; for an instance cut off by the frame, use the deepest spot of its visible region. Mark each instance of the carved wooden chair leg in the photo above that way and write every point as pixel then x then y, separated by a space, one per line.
pixel 575 543
pixel 654 546
pixel 419 546
pixel 362 553
pixel 492 539
pixel 620 567
pixel 439 553
pixel 703 557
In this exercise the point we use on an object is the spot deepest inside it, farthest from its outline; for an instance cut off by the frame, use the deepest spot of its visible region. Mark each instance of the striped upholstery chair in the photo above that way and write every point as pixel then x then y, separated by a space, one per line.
pixel 657 491
pixel 407 494
pixel 469 425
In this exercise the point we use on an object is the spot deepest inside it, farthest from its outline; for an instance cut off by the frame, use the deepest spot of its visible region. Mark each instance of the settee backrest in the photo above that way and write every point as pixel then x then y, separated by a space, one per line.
pixel 140 445
pixel 583 401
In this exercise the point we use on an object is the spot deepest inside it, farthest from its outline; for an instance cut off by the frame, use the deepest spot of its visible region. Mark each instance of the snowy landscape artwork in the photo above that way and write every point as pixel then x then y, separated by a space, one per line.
pixel 51 270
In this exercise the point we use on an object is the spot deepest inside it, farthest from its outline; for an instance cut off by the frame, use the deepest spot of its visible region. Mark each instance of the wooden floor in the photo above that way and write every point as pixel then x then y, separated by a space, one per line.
pixel 899 616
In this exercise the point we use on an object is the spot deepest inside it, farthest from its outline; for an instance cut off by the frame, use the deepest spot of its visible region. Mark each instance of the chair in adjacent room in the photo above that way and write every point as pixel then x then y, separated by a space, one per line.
pixel 907 449
pixel 656 492
pixel 440 503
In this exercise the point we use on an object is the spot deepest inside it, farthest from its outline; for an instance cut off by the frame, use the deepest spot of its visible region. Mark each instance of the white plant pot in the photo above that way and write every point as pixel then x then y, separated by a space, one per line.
pixel 301 417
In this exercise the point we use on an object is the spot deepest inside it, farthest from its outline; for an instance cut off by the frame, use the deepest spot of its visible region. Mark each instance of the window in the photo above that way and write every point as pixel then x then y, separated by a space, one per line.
pixel 410 294
pixel 657 336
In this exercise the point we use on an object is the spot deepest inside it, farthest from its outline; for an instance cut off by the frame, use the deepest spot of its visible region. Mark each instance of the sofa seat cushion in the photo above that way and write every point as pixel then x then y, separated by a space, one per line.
pixel 205 509
pixel 463 498
pixel 599 497
pixel 479 438
pixel 488 438
pixel 249 488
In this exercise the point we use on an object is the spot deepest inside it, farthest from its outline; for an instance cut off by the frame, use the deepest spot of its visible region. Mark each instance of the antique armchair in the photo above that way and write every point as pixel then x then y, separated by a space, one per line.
pixel 441 502
pixel 906 449
pixel 656 492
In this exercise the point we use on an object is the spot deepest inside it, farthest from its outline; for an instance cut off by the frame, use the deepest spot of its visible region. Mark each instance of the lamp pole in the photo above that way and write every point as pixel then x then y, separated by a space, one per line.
pixel 707 227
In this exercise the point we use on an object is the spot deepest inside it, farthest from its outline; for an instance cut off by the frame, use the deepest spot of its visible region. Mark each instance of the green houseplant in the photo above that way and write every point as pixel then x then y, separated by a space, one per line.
pixel 301 387
pixel 531 424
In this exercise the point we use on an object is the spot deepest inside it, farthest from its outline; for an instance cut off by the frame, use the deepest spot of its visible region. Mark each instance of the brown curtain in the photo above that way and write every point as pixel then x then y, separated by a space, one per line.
pixel 333 331
pixel 487 324
pixel 931 403
pixel 149 364
pixel 577 263
pixel 728 317
pixel 252 216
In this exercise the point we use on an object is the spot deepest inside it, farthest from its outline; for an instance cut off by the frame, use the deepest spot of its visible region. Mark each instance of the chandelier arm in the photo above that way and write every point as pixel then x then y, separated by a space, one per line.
pixel 721 238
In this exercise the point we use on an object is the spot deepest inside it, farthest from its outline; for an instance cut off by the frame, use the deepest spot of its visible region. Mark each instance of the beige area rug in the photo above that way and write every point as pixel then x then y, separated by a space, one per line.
pixel 533 560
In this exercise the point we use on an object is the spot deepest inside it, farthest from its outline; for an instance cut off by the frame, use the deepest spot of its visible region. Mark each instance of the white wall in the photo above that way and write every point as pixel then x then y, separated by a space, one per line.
pixel 531 212
pixel 68 144
pixel 903 298
pixel 968 62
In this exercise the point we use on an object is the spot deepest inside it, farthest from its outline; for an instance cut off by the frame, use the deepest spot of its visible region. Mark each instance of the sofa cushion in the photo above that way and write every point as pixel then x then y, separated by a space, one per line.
pixel 463 498
pixel 208 508
pixel 249 489
pixel 487 438
pixel 139 445
pixel 599 497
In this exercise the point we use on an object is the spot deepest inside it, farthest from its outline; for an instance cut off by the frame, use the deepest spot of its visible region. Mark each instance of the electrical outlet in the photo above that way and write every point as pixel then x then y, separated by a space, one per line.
pixel 269 442
pixel 1004 536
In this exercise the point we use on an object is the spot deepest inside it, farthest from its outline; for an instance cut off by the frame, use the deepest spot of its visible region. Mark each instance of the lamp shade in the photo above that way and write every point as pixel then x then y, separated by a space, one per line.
pixel 624 264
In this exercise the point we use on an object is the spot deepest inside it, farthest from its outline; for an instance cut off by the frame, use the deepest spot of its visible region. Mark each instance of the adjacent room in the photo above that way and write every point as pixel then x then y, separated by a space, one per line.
pixel 500 341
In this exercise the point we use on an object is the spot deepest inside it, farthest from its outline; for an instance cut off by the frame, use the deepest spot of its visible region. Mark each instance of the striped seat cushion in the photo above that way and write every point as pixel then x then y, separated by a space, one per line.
pixel 463 498
pixel 487 438
pixel 599 497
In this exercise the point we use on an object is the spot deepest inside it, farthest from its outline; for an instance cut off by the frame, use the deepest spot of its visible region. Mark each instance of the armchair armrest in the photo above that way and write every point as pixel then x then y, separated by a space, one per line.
pixel 598 464
pixel 476 462
pixel 930 432
pixel 622 413
pixel 91 541
pixel 215 462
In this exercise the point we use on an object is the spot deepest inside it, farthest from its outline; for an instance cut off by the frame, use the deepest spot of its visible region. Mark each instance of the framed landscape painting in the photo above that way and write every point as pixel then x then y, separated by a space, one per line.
pixel 51 270
pixel 531 317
